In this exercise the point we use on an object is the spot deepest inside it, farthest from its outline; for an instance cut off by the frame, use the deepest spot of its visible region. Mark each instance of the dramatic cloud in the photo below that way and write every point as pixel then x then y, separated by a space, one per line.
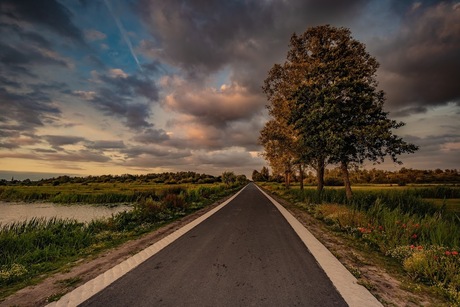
pixel 152 136
pixel 50 14
pixel 249 36
pixel 119 96
pixel 149 85
pixel 421 66
pixel 56 141
pixel 78 156
pixel 215 107
pixel 106 145
pixel 25 112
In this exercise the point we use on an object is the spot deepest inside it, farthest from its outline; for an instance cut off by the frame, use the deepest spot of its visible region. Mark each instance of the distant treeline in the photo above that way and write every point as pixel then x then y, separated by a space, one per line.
pixel 165 178
pixel 333 177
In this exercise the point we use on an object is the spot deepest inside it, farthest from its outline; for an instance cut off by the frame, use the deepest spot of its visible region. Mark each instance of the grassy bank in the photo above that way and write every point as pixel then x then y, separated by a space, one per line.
pixel 32 248
pixel 399 223
pixel 93 193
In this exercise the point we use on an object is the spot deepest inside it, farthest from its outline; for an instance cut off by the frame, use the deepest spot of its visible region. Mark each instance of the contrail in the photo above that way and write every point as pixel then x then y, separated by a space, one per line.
pixel 123 33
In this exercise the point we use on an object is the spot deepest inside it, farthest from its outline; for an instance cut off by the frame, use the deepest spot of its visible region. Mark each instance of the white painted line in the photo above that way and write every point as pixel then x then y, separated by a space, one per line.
pixel 90 288
pixel 347 285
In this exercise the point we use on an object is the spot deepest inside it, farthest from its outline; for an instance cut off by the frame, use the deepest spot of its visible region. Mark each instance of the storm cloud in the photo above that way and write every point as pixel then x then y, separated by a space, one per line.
pixel 50 14
pixel 421 65
pixel 119 97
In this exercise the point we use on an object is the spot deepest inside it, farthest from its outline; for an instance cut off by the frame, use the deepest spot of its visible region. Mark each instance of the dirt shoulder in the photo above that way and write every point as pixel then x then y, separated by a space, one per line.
pixel 372 270
pixel 86 269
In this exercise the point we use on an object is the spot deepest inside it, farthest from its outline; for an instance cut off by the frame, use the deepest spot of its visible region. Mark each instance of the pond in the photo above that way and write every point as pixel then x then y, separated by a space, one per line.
pixel 14 212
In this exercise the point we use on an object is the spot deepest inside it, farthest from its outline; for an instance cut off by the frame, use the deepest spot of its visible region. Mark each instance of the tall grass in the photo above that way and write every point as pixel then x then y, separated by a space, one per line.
pixel 426 246
pixel 407 201
pixel 31 247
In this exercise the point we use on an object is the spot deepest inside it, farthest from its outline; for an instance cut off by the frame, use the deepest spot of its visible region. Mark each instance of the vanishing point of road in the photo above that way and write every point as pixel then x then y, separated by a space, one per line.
pixel 245 254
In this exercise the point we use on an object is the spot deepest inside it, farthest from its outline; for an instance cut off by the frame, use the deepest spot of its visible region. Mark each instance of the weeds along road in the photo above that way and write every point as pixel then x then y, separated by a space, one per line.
pixel 246 254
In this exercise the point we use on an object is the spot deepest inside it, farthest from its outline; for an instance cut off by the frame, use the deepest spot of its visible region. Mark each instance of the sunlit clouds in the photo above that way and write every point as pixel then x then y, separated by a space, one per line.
pixel 113 87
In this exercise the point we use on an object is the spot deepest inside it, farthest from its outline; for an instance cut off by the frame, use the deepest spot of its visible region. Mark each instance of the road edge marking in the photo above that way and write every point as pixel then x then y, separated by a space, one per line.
pixel 102 281
pixel 346 284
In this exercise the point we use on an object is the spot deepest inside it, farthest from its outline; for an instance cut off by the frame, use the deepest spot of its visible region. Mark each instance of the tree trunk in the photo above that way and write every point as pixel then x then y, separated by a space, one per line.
pixel 301 176
pixel 346 179
pixel 287 178
pixel 320 175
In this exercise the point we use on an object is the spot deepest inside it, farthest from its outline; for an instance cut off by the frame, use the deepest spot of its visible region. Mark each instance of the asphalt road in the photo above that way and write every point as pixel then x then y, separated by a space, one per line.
pixel 246 254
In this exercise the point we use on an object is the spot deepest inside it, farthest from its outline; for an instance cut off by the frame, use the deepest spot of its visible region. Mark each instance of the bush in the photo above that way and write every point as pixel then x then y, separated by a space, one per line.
pixel 174 202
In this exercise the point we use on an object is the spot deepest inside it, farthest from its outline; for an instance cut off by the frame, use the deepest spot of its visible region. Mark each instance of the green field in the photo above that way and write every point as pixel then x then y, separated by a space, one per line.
pixel 440 196
pixel 94 193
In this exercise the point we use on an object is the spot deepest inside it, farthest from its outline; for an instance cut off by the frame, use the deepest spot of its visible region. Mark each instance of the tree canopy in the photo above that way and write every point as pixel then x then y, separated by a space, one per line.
pixel 325 99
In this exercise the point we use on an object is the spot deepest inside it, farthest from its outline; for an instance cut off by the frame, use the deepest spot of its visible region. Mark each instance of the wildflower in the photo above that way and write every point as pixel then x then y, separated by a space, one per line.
pixel 448 253
pixel 436 257
pixel 414 236
pixel 455 253
pixel 403 226
pixel 381 228
pixel 419 247
pixel 417 225
pixel 412 246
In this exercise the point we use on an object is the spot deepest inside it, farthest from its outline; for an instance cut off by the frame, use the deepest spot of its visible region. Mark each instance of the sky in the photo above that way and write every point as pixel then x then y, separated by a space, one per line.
pixel 91 87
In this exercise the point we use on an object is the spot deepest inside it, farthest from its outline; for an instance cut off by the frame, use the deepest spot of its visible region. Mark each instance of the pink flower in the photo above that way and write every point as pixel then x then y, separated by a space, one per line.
pixel 419 247
pixel 455 253
pixel 414 236
pixel 412 246
pixel 448 253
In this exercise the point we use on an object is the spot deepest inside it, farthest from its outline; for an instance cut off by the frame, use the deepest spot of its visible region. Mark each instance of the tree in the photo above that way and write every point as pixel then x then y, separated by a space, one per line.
pixel 265 173
pixel 338 110
pixel 279 145
pixel 228 178
pixel 241 179
pixel 326 108
pixel 283 146
pixel 256 176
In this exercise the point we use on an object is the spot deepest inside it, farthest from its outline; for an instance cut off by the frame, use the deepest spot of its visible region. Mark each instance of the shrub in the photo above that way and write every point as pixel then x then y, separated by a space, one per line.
pixel 148 210
pixel 174 202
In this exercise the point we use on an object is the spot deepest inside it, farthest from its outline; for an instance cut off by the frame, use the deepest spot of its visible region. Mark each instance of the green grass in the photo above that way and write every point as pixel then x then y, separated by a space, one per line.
pixel 450 205
pixel 422 199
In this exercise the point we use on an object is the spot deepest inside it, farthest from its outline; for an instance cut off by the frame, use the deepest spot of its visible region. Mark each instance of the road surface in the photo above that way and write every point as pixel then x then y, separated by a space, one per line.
pixel 246 254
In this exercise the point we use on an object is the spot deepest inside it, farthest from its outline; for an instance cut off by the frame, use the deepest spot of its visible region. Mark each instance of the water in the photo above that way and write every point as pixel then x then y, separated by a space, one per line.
pixel 14 212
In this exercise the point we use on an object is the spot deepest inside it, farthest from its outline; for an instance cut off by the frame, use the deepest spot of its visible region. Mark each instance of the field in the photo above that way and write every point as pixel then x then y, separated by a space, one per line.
pixel 32 249
pixel 92 193
pixel 418 226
